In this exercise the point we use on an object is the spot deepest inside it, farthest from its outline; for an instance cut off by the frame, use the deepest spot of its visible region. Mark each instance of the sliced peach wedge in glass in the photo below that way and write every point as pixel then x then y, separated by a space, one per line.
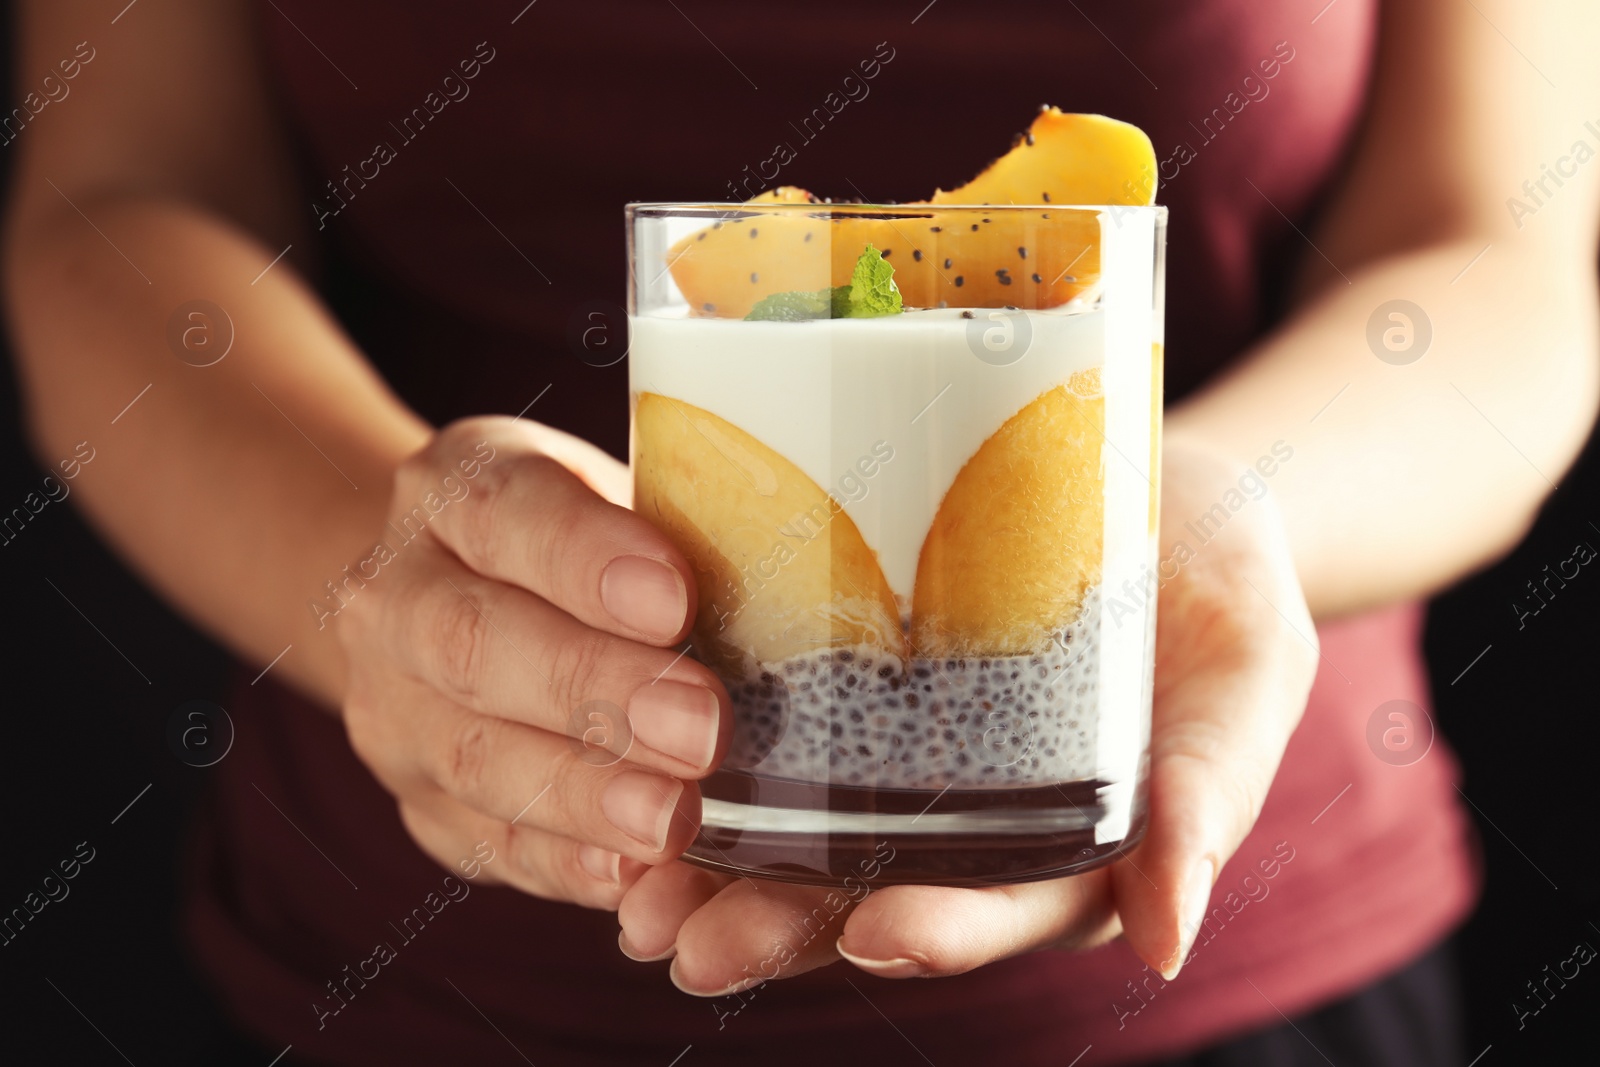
pixel 722 497
pixel 959 259
pixel 1002 571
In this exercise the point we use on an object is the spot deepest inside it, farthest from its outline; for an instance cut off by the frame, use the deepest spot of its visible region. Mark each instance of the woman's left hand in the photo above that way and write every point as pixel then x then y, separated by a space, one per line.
pixel 1235 657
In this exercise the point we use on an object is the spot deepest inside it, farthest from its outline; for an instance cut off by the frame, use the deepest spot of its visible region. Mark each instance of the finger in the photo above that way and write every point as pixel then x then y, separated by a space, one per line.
pixel 659 903
pixel 530 521
pixel 520 775
pixel 1219 732
pixel 915 931
pixel 752 932
pixel 478 849
pixel 513 773
pixel 502 651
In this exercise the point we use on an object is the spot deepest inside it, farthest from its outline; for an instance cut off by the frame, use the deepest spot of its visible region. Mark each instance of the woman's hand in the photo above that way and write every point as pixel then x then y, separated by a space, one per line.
pixel 503 662
pixel 1235 657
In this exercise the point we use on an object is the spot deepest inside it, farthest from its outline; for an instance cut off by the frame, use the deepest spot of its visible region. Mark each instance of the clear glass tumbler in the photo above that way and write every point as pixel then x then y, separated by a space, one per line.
pixel 922 519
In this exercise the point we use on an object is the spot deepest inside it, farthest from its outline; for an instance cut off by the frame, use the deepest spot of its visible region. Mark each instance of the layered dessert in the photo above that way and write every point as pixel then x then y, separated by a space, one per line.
pixel 909 451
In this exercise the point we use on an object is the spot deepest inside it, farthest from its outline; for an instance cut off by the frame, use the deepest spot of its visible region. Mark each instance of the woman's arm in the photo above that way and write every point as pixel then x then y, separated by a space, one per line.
pixel 238 489
pixel 1405 477
pixel 160 178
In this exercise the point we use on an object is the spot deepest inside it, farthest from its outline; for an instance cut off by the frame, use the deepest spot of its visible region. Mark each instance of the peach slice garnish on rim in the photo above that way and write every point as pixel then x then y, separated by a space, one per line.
pixel 967 258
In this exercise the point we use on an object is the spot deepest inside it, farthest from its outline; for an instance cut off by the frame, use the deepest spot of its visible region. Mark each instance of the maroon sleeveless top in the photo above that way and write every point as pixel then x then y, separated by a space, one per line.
pixel 492 225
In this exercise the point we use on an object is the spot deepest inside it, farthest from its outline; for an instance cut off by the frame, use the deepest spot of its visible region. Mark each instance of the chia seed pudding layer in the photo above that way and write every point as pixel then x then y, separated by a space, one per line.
pixel 860 717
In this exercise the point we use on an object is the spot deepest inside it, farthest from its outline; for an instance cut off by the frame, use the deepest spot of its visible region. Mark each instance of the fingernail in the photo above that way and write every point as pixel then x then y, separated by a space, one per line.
pixel 604 865
pixel 1196 898
pixel 645 595
pixel 900 967
pixel 676 719
pixel 634 954
pixel 641 806
pixel 732 987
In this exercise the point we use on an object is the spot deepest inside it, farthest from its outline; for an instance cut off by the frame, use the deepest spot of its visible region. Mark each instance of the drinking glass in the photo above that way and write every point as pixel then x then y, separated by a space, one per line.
pixel 924 540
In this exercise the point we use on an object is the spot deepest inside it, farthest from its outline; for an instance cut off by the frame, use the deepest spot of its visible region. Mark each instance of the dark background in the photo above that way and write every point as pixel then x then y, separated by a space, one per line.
pixel 91 684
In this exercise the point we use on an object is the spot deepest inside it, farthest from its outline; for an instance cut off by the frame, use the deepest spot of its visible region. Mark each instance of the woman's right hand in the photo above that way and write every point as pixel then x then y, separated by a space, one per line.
pixel 511 672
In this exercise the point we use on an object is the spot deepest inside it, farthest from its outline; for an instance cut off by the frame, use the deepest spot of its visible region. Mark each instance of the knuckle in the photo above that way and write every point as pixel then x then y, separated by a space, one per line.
pixel 455 450
pixel 488 514
pixel 570 800
pixel 579 668
pixel 480 519
pixel 467 756
pixel 460 639
pixel 566 527
pixel 522 467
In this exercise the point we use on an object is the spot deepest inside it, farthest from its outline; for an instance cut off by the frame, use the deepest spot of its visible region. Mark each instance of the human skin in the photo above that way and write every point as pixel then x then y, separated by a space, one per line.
pixel 214 497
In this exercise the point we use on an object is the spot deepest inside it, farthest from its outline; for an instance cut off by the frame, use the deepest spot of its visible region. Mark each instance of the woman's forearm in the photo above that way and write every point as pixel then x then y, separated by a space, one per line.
pixel 235 489
pixel 1407 473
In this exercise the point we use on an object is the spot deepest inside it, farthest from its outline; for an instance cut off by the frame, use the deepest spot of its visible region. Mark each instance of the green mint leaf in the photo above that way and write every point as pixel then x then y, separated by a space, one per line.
pixel 872 288
pixel 871 293
pixel 793 307
pixel 839 301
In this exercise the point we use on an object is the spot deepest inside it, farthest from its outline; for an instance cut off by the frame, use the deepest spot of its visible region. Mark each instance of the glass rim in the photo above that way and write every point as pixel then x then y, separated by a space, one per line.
pixel 724 209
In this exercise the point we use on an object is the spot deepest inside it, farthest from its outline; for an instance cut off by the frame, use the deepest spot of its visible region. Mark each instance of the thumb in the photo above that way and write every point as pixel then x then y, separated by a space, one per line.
pixel 1231 685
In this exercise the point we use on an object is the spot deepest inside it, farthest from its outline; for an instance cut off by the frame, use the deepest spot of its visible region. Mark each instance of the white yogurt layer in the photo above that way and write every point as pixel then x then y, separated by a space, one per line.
pixel 833 396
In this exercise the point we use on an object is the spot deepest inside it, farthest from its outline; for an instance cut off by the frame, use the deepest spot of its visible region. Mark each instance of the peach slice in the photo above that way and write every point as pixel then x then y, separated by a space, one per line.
pixel 1066 158
pixel 1001 572
pixel 781 569
pixel 960 257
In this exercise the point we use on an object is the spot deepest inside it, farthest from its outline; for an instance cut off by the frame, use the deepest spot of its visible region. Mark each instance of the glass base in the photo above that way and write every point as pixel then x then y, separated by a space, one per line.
pixel 822 835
